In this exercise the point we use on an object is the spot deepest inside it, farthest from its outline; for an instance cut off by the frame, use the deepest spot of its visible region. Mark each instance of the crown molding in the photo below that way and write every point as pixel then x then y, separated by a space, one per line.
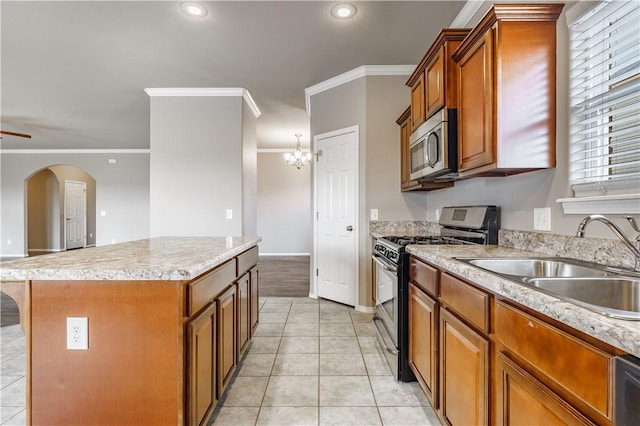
pixel 206 91
pixel 354 74
pixel 468 11
pixel 74 151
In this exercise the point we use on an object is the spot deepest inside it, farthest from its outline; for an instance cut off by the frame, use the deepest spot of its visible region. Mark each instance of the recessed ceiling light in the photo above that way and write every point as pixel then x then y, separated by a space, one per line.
pixel 343 11
pixel 190 8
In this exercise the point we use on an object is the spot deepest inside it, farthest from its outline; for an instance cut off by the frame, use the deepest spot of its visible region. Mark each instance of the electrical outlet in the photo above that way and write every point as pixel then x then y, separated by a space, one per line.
pixel 374 214
pixel 229 213
pixel 542 219
pixel 78 333
pixel 8 242
pixel 437 214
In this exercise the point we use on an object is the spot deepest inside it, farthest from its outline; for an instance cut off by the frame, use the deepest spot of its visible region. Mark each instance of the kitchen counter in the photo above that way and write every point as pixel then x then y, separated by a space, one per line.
pixel 161 258
pixel 622 334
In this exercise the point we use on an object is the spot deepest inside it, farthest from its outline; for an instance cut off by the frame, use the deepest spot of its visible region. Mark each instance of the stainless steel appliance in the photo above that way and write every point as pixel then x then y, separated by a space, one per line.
pixel 434 147
pixel 460 225
pixel 627 390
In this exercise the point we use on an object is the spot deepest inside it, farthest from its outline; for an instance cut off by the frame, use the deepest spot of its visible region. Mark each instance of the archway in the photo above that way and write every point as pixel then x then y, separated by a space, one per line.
pixel 45 200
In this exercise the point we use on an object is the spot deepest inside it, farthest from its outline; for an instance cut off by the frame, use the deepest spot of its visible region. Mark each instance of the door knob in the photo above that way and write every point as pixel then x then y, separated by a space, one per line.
pixel 349 228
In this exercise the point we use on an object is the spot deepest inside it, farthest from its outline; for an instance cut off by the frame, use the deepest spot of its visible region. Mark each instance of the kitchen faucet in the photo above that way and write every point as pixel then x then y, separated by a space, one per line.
pixel 600 218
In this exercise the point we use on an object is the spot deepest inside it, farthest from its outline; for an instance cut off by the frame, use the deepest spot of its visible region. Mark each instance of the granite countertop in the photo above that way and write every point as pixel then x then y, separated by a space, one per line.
pixel 161 258
pixel 622 334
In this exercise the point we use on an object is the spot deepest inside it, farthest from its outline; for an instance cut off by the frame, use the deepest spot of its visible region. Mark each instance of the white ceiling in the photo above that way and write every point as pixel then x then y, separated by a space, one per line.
pixel 73 73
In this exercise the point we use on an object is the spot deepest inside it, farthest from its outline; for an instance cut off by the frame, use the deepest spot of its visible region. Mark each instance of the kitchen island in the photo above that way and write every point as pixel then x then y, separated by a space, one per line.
pixel 168 319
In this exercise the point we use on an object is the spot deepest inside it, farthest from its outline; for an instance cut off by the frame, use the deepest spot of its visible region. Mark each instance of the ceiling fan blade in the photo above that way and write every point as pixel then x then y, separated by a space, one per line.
pixel 20 135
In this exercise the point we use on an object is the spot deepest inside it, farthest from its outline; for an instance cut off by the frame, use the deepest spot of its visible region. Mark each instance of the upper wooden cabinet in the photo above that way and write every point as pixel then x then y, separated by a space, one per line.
pixel 506 78
pixel 433 83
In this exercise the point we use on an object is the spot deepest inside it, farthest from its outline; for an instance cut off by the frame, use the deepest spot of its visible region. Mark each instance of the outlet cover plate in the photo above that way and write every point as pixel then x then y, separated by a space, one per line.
pixel 78 333
pixel 542 219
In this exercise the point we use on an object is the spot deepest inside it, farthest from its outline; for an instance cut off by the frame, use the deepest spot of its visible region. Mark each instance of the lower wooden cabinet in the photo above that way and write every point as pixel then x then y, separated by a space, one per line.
pixel 464 373
pixel 423 341
pixel 255 299
pixel 244 312
pixel 522 400
pixel 201 366
pixel 227 337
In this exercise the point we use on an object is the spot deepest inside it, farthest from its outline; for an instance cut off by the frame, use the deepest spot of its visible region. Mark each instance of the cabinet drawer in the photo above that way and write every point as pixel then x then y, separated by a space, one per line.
pixel 247 260
pixel 424 276
pixel 583 370
pixel 204 289
pixel 471 303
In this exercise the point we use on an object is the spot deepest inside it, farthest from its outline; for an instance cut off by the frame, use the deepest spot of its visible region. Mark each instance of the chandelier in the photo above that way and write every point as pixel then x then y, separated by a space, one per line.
pixel 297 158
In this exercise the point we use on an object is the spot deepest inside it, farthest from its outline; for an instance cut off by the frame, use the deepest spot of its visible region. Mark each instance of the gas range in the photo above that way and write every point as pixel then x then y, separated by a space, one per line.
pixel 472 225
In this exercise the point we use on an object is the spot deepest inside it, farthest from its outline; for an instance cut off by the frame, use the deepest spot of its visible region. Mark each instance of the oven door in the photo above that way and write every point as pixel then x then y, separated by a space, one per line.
pixel 386 279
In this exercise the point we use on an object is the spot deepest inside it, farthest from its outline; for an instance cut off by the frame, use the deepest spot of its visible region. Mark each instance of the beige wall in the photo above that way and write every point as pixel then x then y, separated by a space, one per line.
pixel 43 206
pixel 284 206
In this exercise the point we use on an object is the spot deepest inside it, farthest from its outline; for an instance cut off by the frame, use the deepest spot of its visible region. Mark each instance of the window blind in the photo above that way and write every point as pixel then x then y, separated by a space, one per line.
pixel 604 90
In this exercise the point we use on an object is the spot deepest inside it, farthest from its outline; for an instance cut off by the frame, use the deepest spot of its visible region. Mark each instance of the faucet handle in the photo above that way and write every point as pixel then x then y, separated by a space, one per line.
pixel 633 223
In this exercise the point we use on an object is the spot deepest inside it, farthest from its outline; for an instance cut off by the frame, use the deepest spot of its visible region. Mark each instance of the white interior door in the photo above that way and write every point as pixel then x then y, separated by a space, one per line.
pixel 336 200
pixel 75 207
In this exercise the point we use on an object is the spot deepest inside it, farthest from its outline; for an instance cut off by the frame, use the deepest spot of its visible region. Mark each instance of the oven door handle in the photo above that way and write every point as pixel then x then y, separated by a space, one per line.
pixel 381 339
pixel 384 265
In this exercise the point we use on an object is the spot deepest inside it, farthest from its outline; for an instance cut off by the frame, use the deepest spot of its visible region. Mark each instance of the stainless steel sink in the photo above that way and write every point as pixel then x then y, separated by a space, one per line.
pixel 589 285
pixel 617 297
pixel 538 267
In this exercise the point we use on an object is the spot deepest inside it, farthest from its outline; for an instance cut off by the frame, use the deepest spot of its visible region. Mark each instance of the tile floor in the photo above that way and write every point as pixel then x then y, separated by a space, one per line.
pixel 311 362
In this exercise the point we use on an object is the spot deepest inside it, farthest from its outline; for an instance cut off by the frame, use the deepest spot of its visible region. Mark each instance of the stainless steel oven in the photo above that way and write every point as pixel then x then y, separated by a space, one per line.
pixel 460 225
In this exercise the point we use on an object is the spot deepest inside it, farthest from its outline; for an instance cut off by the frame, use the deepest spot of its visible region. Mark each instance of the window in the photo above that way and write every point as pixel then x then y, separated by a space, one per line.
pixel 604 97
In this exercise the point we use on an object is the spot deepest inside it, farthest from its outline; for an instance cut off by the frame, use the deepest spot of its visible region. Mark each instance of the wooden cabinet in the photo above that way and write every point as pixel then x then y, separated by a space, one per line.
pixel 522 399
pixel 406 184
pixel 244 312
pixel 227 337
pixel 464 353
pixel 201 366
pixel 254 299
pixel 423 341
pixel 433 82
pixel 506 91
pixel 578 374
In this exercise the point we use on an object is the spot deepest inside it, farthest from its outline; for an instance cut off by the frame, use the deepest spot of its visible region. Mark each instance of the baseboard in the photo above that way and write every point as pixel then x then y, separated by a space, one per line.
pixel 45 250
pixel 366 309
pixel 12 256
pixel 285 254
pixel 313 295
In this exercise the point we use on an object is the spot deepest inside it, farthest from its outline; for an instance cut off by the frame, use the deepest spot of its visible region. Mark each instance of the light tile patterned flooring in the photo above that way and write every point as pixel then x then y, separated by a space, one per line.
pixel 311 362
pixel 315 362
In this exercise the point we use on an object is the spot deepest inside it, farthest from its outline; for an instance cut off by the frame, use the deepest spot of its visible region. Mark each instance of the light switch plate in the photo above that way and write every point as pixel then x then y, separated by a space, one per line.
pixel 542 219
pixel 229 214
pixel 374 214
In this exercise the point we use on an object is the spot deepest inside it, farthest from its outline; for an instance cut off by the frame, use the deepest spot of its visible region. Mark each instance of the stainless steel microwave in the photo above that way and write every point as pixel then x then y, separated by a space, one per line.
pixel 434 146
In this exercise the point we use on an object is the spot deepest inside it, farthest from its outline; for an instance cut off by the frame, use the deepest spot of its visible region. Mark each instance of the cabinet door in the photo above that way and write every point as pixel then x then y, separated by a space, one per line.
pixel 523 400
pixel 423 341
pixel 244 310
pixel 201 367
pixel 417 104
pixel 475 105
pixel 434 93
pixel 255 299
pixel 405 154
pixel 464 373
pixel 227 343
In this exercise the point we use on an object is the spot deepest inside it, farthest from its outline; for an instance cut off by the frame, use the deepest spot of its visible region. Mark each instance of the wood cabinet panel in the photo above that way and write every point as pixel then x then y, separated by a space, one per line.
pixel 201 366
pixel 434 83
pixel 417 103
pixel 523 400
pixel 204 289
pixel 424 276
pixel 227 337
pixel 468 301
pixel 247 260
pixel 464 373
pixel 423 341
pixel 244 312
pixel 582 370
pixel 255 298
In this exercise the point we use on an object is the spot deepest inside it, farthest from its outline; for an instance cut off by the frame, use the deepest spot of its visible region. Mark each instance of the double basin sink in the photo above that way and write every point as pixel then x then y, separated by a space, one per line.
pixel 611 292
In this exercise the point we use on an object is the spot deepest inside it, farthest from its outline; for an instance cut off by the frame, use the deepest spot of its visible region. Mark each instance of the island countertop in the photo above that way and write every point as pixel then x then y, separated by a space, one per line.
pixel 620 333
pixel 160 258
